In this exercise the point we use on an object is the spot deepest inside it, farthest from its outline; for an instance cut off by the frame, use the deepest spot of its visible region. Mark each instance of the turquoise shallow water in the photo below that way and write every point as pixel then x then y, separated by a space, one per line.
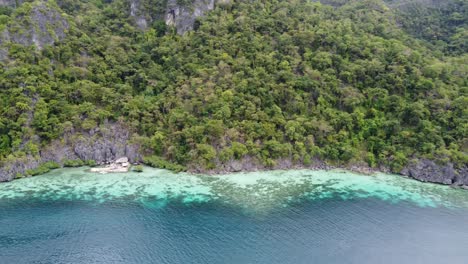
pixel 301 216
pixel 253 190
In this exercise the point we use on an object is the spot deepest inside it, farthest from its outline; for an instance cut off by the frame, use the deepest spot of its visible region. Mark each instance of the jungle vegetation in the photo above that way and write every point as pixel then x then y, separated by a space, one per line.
pixel 361 82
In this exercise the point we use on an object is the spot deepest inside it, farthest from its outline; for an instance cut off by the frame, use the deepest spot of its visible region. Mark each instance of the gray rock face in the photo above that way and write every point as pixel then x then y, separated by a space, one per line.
pixel 44 26
pixel 462 178
pixel 11 3
pixel 428 171
pixel 122 160
pixel 249 164
pixel 141 19
pixel 103 145
pixel 8 171
pixel 183 17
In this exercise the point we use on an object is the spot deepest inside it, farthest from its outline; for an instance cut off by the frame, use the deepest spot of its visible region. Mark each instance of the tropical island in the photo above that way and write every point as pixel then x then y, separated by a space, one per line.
pixel 225 85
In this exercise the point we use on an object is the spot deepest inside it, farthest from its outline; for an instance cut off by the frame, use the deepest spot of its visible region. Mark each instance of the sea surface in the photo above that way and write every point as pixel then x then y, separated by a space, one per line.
pixel 299 216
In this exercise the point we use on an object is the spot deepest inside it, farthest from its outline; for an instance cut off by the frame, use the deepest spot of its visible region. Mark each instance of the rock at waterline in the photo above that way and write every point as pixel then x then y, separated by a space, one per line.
pixel 120 165
pixel 121 160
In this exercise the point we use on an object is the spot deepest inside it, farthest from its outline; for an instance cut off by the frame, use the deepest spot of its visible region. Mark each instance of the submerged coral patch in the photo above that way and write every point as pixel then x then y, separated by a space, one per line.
pixel 257 191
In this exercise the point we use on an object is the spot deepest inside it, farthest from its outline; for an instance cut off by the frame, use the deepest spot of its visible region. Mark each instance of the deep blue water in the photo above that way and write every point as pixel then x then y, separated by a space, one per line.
pixel 330 230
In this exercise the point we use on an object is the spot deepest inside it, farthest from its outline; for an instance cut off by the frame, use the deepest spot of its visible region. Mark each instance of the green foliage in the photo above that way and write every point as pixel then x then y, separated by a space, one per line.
pixel 90 163
pixel 263 79
pixel 73 163
pixel 206 155
pixel 5 10
pixel 184 2
pixel 158 162
pixel 43 168
pixel 238 150
pixel 444 25
pixel 138 168
pixel 51 165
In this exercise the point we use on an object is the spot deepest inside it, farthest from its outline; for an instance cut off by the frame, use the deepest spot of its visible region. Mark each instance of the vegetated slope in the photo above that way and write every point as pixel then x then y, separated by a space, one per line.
pixel 441 24
pixel 444 24
pixel 264 80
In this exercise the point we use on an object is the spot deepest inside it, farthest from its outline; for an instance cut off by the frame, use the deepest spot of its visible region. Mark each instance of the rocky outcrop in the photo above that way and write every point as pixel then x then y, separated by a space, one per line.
pixel 183 17
pixel 120 165
pixel 42 25
pixel 136 12
pixel 104 145
pixel 429 171
pixel 250 164
pixel 107 144
pixel 419 169
pixel 11 3
pixel 175 14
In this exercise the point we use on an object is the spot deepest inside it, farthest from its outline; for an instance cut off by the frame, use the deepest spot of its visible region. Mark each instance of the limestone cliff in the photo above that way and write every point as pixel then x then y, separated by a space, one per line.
pixel 11 3
pixel 429 171
pixel 137 12
pixel 41 23
pixel 38 23
pixel 182 16
pixel 103 145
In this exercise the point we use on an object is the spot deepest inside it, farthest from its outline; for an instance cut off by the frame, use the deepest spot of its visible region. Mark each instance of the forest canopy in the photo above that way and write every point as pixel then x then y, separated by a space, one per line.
pixel 265 79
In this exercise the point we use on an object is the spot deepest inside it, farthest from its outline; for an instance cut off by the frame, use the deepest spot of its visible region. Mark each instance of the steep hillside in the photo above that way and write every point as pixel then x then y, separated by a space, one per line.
pixel 444 24
pixel 38 23
pixel 255 84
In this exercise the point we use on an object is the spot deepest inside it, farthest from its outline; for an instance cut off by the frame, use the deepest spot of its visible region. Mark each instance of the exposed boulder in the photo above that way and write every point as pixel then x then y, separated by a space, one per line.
pixel 429 171
pixel 9 170
pixel 120 165
pixel 121 161
pixel 462 177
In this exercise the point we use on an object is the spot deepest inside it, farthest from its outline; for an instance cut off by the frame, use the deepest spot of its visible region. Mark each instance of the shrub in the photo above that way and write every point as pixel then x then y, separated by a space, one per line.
pixel 138 168
pixel 51 165
pixel 158 162
pixel 91 163
pixel 239 150
pixel 307 160
pixel 371 161
pixel 43 168
pixel 73 163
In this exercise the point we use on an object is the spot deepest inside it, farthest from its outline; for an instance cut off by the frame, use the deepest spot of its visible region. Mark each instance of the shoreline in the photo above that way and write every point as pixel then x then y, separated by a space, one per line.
pixel 111 141
pixel 362 171
pixel 420 170
pixel 366 171
pixel 314 167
